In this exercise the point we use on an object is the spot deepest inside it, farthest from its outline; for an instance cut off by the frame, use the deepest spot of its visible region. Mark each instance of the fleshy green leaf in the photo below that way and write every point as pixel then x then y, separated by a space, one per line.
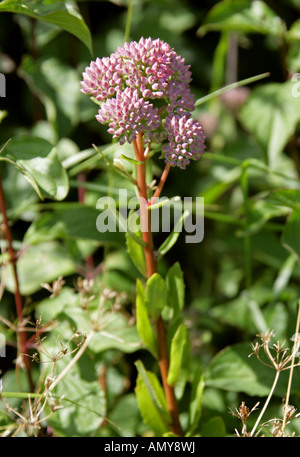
pixel 151 401
pixel 176 290
pixel 155 295
pixel 178 345
pixel 143 323
pixel 60 14
pixel 136 252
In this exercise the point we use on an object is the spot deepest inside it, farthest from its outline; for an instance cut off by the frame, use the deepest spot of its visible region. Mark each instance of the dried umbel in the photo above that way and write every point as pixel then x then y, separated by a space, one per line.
pixel 144 87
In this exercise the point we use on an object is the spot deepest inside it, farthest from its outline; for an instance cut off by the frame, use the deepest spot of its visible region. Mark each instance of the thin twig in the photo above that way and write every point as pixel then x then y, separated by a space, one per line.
pixel 77 356
pixel 266 403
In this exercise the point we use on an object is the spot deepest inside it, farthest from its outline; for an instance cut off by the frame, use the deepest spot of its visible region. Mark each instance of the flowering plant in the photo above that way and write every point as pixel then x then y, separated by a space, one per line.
pixel 144 96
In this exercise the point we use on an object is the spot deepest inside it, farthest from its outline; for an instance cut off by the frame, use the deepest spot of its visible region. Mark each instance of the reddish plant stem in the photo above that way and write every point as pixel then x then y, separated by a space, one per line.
pixel 163 353
pixel 21 336
pixel 160 184
pixel 81 178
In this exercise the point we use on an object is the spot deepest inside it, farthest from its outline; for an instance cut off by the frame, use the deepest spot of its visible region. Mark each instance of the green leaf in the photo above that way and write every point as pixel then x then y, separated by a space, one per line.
pixel 260 212
pixel 176 290
pixel 40 264
pixel 60 14
pixel 177 352
pixel 214 428
pixel 58 87
pixel 242 16
pixel 77 222
pixel 229 87
pixel 195 405
pixel 117 334
pixel 233 370
pixel 143 323
pixel 136 252
pixel 36 159
pixel 271 114
pixel 224 182
pixel 285 197
pixel 156 295
pixel 284 275
pixel 291 234
pixel 151 401
pixel 172 238
pixel 84 408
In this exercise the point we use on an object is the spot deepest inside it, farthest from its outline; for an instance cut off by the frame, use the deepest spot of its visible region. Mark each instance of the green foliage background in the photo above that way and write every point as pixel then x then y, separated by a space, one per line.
pixel 241 280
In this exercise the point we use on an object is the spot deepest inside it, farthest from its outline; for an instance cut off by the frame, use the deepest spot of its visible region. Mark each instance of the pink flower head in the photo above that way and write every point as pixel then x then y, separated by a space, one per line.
pixel 127 114
pixel 127 84
pixel 185 141
pixel 102 78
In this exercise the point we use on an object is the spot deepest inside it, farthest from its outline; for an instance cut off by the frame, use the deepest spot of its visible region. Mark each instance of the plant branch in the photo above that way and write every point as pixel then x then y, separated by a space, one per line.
pixel 163 353
pixel 21 336
pixel 161 184
pixel 77 356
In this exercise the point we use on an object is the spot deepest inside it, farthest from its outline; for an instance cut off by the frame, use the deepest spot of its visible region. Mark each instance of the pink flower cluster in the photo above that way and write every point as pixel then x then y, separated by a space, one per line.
pixel 185 141
pixel 127 86
pixel 127 114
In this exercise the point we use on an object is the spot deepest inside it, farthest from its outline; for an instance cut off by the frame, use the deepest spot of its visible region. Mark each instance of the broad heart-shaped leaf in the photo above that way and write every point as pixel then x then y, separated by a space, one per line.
pixel 271 114
pixel 36 159
pixel 60 14
pixel 245 16
pixel 151 401
pixel 233 370
pixel 291 233
pixel 155 295
pixel 143 323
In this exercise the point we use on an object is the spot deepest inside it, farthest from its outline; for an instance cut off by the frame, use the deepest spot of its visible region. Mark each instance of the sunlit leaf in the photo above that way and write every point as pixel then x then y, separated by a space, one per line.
pixel 60 14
